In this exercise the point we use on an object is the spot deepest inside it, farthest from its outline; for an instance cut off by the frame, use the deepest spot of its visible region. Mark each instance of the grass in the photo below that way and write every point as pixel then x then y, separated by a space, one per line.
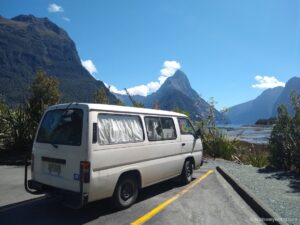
pixel 217 145
pixel 253 154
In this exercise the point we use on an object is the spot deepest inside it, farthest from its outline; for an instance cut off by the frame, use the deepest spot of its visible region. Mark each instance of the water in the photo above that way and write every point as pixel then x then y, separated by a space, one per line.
pixel 248 133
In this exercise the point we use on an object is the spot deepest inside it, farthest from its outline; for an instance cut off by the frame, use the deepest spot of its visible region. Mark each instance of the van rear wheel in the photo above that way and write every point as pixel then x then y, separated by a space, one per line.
pixel 126 192
pixel 187 172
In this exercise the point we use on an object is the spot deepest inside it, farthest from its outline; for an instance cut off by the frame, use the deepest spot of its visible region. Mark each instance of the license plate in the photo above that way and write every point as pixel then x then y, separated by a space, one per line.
pixel 54 169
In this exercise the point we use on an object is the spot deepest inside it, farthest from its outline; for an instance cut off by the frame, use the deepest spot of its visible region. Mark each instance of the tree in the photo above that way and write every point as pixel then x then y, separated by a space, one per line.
pixel 211 117
pixel 156 105
pixel 19 124
pixel 134 103
pixel 138 104
pixel 44 92
pixel 295 128
pixel 214 141
pixel 119 102
pixel 280 140
pixel 4 128
pixel 179 110
pixel 101 96
pixel 285 137
pixel 19 133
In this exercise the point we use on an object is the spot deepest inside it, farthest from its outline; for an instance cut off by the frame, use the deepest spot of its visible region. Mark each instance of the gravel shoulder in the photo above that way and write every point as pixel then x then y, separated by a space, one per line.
pixel 278 190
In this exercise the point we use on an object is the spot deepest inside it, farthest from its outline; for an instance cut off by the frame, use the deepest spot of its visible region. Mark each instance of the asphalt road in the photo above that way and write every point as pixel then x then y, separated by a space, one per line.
pixel 210 201
pixel 12 185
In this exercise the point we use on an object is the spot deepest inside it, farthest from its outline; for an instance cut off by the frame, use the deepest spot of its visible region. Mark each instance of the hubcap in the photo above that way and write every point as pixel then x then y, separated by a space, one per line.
pixel 126 191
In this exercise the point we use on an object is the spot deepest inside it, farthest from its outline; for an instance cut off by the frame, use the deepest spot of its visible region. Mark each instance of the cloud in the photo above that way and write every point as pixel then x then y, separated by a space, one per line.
pixel 169 68
pixel 54 8
pixel 66 19
pixel 113 89
pixel 264 82
pixel 90 66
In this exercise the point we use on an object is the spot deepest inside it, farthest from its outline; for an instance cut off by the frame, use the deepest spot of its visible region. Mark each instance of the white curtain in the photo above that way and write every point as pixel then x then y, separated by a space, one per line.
pixel 114 129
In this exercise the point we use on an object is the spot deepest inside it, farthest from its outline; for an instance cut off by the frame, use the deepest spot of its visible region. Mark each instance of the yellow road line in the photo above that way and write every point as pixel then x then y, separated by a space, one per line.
pixel 163 205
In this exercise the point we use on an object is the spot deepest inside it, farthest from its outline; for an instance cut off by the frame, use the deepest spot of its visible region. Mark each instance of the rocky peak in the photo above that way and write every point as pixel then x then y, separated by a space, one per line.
pixel 42 23
pixel 28 43
pixel 180 82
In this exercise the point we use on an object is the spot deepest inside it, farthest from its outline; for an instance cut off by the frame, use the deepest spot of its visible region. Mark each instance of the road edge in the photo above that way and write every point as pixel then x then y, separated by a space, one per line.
pixel 267 215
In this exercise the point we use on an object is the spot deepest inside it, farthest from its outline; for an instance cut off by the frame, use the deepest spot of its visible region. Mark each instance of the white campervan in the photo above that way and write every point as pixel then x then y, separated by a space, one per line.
pixel 88 152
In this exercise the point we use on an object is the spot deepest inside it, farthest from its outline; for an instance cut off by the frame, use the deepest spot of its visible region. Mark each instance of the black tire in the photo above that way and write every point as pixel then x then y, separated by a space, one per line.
pixel 126 192
pixel 187 172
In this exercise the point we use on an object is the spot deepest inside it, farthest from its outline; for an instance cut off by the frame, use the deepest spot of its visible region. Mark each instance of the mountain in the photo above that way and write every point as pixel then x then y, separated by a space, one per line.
pixel 125 99
pixel 265 105
pixel 180 82
pixel 284 98
pixel 261 107
pixel 176 92
pixel 28 43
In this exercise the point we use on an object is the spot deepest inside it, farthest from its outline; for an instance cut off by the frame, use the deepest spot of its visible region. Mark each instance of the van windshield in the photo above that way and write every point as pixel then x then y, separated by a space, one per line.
pixel 61 126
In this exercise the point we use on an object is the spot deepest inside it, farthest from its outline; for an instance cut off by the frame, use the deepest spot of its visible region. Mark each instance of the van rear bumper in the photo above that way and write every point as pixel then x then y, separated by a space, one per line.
pixel 70 198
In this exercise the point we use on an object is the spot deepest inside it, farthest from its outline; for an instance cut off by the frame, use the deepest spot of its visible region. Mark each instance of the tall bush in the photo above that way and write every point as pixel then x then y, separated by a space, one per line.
pixel 19 134
pixel 101 96
pixel 285 138
pixel 4 128
pixel 44 92
pixel 215 143
pixel 18 124
pixel 295 129
pixel 281 139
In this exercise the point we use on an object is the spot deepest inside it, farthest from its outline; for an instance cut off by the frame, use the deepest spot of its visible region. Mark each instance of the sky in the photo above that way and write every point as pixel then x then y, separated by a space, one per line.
pixel 230 50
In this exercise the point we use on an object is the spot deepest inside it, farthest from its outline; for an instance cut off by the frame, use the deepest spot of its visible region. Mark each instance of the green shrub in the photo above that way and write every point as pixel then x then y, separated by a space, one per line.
pixel 4 128
pixel 216 144
pixel 18 124
pixel 18 135
pixel 257 159
pixel 44 92
pixel 285 138
pixel 253 154
pixel 101 96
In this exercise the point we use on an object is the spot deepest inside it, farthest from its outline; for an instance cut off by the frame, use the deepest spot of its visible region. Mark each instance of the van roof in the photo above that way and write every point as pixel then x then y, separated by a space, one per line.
pixel 117 108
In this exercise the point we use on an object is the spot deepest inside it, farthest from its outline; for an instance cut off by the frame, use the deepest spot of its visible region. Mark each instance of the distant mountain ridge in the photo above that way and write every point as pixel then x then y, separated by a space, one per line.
pixel 176 92
pixel 265 105
pixel 261 107
pixel 28 43
pixel 284 98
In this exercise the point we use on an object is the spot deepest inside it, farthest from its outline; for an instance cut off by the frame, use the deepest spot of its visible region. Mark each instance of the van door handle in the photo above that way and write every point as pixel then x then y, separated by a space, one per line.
pixel 183 144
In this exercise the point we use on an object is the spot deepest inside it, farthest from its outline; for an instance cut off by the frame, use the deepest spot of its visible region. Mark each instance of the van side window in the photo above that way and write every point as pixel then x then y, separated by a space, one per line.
pixel 117 129
pixel 185 126
pixel 160 128
pixel 168 127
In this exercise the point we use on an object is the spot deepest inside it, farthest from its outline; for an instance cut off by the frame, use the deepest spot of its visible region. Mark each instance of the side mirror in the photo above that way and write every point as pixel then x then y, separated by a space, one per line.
pixel 198 133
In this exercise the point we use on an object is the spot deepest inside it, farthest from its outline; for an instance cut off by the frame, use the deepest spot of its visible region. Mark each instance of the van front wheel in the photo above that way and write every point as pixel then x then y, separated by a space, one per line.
pixel 187 172
pixel 126 192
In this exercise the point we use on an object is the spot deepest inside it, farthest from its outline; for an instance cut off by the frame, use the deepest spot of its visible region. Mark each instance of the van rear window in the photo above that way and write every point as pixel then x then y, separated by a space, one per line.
pixel 62 127
pixel 117 129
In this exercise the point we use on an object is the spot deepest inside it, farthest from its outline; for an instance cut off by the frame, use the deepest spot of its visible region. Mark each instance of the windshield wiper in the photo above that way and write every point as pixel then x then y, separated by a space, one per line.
pixel 66 109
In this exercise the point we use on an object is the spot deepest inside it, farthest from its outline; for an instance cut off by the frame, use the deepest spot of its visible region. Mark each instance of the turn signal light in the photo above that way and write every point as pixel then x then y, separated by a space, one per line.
pixel 85 167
